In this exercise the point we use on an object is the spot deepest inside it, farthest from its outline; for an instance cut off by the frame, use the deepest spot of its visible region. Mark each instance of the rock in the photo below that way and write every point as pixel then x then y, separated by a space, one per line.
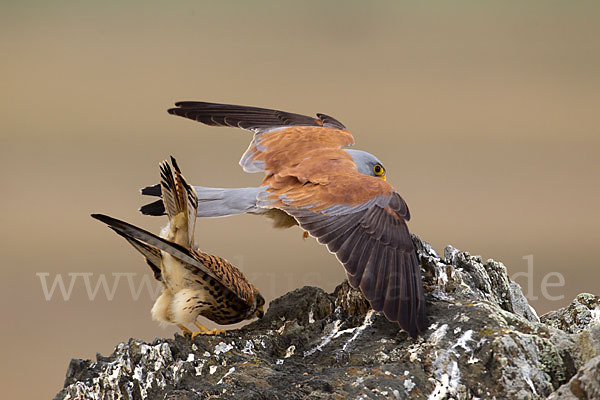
pixel 484 341
pixel 583 312
pixel 585 385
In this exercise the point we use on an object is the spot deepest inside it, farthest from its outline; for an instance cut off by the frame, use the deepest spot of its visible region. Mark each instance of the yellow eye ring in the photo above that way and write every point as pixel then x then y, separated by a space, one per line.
pixel 378 170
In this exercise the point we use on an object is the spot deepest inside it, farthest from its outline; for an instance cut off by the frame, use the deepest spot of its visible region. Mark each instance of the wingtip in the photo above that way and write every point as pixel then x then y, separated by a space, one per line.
pixel 177 106
pixel 418 328
pixel 191 104
pixel 108 220
pixel 99 217
pixel 178 109
pixel 330 122
pixel 414 328
pixel 419 324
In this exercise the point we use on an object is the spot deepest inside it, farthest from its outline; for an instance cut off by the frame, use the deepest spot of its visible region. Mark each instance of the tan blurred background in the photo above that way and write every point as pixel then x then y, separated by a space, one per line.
pixel 485 115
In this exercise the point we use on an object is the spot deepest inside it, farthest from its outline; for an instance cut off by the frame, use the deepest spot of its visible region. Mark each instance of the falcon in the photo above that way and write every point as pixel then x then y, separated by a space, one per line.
pixel 338 195
pixel 194 283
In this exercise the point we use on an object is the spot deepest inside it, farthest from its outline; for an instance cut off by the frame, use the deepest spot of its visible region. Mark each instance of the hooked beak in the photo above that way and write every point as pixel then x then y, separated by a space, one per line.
pixel 260 313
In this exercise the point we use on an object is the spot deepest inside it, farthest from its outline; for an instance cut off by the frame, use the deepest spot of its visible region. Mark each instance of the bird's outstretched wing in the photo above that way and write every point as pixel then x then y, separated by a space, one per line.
pixel 198 262
pixel 151 253
pixel 245 117
pixel 360 218
pixel 363 221
pixel 280 139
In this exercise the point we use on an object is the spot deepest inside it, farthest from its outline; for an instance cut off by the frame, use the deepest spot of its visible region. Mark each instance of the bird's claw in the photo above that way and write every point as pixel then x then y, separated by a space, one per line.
pixel 213 332
pixel 185 331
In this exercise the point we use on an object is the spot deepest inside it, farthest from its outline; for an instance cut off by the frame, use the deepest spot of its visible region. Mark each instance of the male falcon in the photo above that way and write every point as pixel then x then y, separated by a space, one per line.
pixel 338 195
pixel 194 283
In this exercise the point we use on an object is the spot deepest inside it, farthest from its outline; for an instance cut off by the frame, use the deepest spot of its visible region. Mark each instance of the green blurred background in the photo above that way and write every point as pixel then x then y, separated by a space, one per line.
pixel 485 114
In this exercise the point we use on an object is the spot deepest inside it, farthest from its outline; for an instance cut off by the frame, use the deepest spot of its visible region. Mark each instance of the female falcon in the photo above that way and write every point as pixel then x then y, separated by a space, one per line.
pixel 194 283
pixel 338 195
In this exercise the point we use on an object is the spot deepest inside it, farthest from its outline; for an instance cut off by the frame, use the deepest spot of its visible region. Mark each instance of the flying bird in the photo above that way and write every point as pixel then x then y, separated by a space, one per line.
pixel 338 195
pixel 194 283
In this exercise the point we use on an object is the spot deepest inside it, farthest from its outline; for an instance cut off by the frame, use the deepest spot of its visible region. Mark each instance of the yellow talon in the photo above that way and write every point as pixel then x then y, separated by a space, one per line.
pixel 185 331
pixel 214 332
pixel 204 331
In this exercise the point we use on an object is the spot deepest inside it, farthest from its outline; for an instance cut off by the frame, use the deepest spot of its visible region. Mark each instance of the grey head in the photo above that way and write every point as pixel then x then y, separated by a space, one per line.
pixel 367 163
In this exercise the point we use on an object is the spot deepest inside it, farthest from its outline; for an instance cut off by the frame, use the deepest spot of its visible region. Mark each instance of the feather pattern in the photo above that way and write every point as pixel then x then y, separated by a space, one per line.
pixel 280 137
pixel 251 118
pixel 178 198
pixel 375 247
pixel 194 282
pixel 309 175
pixel 226 281
pixel 151 253
pixel 198 262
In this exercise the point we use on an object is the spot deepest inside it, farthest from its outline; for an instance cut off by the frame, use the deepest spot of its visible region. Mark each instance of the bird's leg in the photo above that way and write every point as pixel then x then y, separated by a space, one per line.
pixel 184 331
pixel 205 331
pixel 202 329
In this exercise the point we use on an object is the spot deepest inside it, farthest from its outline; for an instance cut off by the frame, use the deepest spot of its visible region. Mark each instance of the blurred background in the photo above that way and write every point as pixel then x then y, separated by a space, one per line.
pixel 485 114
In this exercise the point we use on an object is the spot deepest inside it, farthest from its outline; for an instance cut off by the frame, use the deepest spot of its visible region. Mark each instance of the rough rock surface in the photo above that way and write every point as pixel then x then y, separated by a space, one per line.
pixel 485 342
pixel 584 385
pixel 578 316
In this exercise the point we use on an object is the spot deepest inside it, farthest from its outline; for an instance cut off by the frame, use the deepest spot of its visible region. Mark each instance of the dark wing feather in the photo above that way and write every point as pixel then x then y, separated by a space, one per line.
pixel 251 118
pixel 224 273
pixel 375 247
pixel 176 250
pixel 152 254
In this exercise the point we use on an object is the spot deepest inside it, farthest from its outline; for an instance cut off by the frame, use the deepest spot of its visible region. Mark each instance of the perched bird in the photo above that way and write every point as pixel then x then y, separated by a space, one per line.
pixel 194 283
pixel 338 195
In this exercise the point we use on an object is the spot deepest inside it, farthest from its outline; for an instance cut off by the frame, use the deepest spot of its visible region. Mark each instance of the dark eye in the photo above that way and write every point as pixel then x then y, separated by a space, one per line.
pixel 378 169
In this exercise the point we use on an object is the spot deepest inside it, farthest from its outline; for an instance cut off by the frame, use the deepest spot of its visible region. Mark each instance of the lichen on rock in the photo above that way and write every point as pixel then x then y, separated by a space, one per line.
pixel 484 341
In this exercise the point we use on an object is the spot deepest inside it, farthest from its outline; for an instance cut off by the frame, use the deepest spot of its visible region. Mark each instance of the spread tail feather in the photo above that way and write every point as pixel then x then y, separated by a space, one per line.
pixel 180 202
